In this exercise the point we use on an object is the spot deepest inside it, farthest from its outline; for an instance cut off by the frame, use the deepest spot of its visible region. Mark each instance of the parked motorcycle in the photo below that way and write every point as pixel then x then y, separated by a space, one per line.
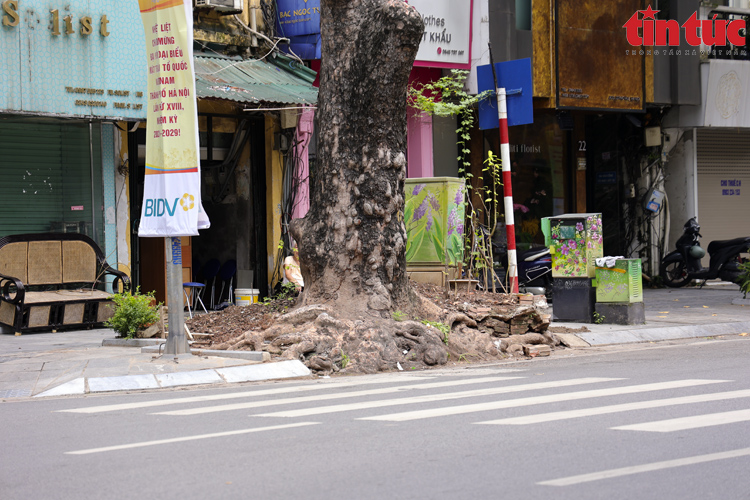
pixel 684 264
pixel 534 270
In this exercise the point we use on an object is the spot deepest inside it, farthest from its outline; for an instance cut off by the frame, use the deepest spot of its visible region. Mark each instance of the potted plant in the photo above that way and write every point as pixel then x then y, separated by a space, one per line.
pixel 133 312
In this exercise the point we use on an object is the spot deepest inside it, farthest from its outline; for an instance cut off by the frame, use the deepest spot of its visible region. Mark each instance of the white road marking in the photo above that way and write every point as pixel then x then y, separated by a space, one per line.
pixel 686 423
pixel 323 397
pixel 654 466
pixel 604 410
pixel 554 398
pixel 237 395
pixel 436 397
pixel 187 438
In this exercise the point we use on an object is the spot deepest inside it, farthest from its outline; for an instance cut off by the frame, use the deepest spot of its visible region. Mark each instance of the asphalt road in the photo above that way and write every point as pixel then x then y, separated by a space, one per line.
pixel 662 421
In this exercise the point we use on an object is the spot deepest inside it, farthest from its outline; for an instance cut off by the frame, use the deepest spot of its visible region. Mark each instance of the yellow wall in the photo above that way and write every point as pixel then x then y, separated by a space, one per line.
pixel 274 188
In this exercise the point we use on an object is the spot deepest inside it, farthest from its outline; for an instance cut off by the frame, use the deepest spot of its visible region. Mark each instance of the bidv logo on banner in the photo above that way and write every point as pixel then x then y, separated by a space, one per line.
pixel 160 207
pixel 666 32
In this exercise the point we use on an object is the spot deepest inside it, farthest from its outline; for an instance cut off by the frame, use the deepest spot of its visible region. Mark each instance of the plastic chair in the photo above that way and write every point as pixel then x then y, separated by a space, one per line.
pixel 227 274
pixel 194 295
pixel 210 270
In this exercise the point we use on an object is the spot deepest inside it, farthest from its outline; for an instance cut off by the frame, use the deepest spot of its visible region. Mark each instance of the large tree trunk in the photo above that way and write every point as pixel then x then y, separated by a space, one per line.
pixel 352 241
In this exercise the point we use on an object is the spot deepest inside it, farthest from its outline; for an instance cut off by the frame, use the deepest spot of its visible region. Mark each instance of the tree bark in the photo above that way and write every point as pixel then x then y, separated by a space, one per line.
pixel 352 241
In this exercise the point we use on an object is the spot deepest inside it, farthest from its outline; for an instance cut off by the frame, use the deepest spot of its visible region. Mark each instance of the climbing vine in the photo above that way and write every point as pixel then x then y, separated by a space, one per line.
pixel 448 97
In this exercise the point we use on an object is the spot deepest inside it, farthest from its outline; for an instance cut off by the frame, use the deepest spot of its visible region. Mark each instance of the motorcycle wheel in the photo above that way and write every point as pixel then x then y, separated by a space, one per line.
pixel 675 273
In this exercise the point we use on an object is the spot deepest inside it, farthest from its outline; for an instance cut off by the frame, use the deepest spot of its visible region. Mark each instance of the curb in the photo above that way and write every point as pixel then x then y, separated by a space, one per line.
pixel 153 346
pixel 663 333
pixel 230 375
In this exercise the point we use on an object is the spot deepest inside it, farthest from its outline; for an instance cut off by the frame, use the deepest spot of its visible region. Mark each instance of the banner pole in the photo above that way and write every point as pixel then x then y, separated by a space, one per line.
pixel 177 343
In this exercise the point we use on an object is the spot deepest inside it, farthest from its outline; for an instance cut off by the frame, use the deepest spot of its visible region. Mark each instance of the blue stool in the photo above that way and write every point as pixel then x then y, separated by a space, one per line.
pixel 195 294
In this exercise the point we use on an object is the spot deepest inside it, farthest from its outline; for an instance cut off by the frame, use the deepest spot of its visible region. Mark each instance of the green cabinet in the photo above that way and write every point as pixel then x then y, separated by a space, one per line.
pixel 575 241
pixel 621 283
pixel 434 217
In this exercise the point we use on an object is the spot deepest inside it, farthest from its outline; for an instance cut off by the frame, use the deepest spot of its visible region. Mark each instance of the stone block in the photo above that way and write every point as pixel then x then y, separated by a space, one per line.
pixel 537 350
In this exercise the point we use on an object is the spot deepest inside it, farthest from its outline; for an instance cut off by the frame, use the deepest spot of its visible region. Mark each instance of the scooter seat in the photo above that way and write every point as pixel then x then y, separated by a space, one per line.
pixel 530 256
pixel 715 245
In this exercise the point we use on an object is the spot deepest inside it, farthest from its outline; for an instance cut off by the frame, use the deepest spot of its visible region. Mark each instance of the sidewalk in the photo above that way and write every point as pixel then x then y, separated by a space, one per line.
pixel 76 362
pixel 674 313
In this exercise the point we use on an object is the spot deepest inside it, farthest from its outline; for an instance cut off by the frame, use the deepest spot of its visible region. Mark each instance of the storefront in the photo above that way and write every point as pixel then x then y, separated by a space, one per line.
pixel 70 73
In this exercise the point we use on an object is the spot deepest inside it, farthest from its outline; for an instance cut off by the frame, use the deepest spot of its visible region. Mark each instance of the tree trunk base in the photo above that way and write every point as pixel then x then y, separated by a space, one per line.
pixel 328 343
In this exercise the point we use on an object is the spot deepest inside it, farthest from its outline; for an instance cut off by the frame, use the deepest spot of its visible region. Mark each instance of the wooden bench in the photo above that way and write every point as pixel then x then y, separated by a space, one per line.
pixel 50 281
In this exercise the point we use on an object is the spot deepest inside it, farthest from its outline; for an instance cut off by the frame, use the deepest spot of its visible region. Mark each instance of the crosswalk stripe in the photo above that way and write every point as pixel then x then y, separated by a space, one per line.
pixel 654 466
pixel 237 395
pixel 554 398
pixel 436 397
pixel 323 397
pixel 604 410
pixel 187 438
pixel 686 423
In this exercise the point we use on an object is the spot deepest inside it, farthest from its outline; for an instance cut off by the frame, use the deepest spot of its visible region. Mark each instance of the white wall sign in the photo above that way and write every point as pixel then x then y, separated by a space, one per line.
pixel 446 42
pixel 727 103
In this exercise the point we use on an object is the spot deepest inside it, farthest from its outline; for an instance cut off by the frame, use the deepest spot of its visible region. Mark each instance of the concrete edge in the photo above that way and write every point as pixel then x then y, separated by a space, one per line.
pixel 247 355
pixel 664 333
pixel 132 342
pixel 229 375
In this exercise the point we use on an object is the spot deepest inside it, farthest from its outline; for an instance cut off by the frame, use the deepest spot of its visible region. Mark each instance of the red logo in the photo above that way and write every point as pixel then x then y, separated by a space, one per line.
pixel 661 33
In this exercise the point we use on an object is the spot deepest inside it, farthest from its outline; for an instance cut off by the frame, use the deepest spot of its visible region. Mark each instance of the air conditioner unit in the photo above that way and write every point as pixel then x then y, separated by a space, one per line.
pixel 223 7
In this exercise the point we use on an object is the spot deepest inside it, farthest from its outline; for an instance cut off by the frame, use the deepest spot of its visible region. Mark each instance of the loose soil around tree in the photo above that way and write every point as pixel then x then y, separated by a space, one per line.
pixel 448 329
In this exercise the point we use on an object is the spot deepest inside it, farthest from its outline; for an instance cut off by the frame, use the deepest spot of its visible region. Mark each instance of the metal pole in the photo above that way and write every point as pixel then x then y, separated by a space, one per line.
pixel 93 195
pixel 177 343
pixel 510 225
pixel 507 190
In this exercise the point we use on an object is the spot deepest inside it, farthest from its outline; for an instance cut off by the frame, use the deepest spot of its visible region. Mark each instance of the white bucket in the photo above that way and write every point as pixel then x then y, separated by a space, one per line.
pixel 246 296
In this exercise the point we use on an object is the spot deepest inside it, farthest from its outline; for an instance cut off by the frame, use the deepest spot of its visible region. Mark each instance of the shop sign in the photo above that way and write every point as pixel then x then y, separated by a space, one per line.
pixel 58 26
pixel 297 17
pixel 446 42
pixel 72 58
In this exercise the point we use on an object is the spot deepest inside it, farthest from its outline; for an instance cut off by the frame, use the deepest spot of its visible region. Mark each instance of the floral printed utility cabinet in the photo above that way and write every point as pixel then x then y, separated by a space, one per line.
pixel 575 241
pixel 434 217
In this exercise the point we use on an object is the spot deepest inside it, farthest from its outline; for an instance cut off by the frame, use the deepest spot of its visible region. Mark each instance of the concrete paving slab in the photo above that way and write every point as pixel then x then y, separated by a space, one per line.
pixel 572 340
pixel 70 388
pixel 189 378
pixel 123 383
pixel 267 371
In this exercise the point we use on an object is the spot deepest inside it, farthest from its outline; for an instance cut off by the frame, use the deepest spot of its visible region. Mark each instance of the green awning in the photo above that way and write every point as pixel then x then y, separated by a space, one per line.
pixel 249 81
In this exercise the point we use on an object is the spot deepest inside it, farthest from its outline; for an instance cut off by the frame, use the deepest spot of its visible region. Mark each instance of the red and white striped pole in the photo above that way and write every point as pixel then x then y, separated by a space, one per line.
pixel 510 226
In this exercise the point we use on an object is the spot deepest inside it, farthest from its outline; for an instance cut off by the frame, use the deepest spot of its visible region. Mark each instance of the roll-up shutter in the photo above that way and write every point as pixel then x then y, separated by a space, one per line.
pixel 723 183
pixel 45 177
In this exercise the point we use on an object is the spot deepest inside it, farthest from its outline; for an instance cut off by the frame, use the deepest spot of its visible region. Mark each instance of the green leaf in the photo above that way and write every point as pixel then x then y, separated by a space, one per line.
pixel 414 242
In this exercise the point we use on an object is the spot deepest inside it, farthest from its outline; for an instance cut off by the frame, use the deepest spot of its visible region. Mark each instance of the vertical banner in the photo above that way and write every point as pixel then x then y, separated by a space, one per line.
pixel 172 191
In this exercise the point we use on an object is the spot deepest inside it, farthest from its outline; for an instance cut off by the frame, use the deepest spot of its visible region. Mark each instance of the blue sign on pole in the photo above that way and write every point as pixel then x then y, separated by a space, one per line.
pixel 297 17
pixel 515 78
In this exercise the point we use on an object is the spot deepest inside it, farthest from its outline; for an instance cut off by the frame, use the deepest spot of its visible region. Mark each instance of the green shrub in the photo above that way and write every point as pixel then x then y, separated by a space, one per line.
pixel 133 311
pixel 745 278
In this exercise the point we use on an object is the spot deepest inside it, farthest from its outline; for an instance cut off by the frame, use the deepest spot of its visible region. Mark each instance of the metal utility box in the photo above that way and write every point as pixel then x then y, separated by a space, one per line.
pixel 621 283
pixel 575 241
pixel 574 300
pixel 434 217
